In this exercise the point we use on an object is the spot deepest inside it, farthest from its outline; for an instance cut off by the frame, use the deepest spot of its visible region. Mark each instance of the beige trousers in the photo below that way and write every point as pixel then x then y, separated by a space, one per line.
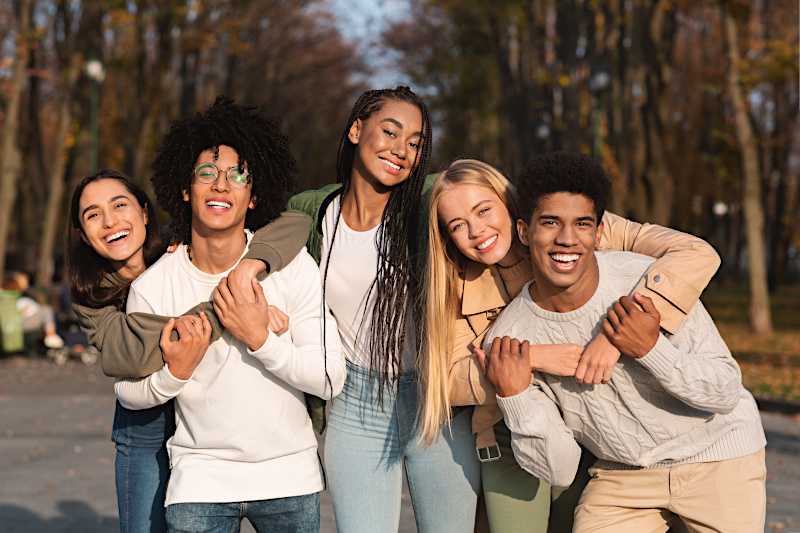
pixel 719 497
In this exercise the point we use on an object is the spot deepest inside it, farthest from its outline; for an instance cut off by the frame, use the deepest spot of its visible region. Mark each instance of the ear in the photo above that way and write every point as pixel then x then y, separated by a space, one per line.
pixel 144 214
pixel 600 229
pixel 355 131
pixel 253 202
pixel 185 194
pixel 522 231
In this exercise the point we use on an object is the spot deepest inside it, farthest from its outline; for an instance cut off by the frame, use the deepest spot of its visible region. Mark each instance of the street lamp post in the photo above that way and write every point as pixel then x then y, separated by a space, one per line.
pixel 96 73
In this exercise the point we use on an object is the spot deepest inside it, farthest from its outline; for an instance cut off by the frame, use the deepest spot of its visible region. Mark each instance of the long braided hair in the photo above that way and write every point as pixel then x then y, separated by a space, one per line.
pixel 397 284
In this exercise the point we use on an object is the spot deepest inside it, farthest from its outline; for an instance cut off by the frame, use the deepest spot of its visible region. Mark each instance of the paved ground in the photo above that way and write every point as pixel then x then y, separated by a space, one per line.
pixel 56 460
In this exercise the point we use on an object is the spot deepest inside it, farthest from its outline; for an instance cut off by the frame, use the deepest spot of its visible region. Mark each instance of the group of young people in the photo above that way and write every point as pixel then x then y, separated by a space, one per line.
pixel 471 335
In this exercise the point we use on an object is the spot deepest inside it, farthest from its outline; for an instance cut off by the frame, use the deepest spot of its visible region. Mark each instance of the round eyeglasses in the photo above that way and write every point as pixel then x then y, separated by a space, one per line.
pixel 209 172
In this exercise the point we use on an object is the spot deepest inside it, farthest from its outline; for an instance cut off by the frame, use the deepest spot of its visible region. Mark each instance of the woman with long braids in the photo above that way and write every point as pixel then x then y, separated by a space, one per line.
pixel 113 236
pixel 477 265
pixel 365 232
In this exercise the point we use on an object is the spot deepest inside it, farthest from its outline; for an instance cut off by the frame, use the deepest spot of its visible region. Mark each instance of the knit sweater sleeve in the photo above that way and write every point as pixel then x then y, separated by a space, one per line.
pixel 542 443
pixel 695 365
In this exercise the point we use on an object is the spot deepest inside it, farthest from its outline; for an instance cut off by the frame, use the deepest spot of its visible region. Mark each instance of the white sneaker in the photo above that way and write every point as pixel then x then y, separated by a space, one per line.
pixel 53 342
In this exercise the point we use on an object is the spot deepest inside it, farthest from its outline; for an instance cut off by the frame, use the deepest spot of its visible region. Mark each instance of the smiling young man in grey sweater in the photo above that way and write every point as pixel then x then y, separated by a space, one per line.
pixel 676 434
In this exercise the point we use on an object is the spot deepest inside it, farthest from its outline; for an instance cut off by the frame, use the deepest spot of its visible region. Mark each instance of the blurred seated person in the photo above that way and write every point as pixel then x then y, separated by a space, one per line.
pixel 38 319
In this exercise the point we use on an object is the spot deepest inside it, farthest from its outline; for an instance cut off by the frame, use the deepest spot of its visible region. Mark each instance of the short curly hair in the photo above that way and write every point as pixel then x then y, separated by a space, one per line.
pixel 256 139
pixel 562 172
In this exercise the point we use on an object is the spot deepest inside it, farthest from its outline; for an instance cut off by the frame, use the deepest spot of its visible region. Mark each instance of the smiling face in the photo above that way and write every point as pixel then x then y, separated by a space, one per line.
pixel 112 221
pixel 562 236
pixel 477 221
pixel 387 143
pixel 219 205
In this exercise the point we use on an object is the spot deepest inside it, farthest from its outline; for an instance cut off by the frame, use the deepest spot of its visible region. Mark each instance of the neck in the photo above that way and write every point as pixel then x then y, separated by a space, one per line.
pixel 565 299
pixel 132 268
pixel 217 251
pixel 515 254
pixel 364 202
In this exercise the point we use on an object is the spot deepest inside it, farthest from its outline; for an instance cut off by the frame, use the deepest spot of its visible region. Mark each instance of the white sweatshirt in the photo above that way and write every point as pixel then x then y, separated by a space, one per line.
pixel 243 432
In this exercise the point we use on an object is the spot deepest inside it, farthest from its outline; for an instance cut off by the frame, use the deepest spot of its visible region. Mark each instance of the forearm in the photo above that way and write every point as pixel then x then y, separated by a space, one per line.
pixel 155 389
pixel 685 264
pixel 277 243
pixel 542 444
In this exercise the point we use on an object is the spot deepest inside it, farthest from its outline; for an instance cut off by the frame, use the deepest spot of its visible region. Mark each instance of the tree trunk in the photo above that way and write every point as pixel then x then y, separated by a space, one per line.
pixel 760 316
pixel 10 155
pixel 52 214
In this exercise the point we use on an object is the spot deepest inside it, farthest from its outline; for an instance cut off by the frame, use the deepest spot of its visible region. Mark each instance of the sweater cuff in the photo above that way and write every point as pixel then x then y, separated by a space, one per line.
pixel 272 352
pixel 660 361
pixel 520 411
pixel 267 254
pixel 164 383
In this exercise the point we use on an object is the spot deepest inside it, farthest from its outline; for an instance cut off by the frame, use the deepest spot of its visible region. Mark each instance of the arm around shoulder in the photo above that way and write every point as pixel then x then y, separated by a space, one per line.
pixel 683 268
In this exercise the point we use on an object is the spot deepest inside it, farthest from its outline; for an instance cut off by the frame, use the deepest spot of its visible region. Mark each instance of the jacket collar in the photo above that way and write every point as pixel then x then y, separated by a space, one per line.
pixel 482 289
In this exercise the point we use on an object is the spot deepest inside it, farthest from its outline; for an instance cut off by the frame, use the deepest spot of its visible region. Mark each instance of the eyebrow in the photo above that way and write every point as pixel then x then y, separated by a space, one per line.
pixel 474 207
pixel 545 216
pixel 95 206
pixel 398 124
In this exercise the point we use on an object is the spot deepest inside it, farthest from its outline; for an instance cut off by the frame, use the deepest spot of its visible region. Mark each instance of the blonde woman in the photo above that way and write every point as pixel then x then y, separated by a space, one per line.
pixel 476 266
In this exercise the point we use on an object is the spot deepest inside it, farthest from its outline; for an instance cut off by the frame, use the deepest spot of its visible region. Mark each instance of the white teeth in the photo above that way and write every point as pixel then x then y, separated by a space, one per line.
pixel 117 235
pixel 565 258
pixel 488 242
pixel 214 203
pixel 392 165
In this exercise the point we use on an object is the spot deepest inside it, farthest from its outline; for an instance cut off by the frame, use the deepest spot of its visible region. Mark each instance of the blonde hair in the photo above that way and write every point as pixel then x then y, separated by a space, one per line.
pixel 442 301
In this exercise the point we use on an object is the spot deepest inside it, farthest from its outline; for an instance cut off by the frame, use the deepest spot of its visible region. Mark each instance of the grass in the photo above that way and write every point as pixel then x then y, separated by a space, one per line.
pixel 770 364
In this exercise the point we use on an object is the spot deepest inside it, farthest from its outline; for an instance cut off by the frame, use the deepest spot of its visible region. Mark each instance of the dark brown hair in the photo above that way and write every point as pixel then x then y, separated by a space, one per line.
pixel 91 277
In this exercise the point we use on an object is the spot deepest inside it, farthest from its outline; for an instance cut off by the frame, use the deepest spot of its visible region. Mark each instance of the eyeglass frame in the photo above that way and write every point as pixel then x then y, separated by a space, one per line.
pixel 225 172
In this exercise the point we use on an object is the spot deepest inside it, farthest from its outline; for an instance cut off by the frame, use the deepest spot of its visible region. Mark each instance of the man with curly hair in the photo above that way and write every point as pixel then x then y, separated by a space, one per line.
pixel 244 444
pixel 677 435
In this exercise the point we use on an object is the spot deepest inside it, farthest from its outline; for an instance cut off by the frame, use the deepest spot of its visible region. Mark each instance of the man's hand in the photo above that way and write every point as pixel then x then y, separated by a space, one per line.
pixel 183 355
pixel 241 277
pixel 597 361
pixel 555 359
pixel 507 365
pixel 278 320
pixel 247 321
pixel 631 328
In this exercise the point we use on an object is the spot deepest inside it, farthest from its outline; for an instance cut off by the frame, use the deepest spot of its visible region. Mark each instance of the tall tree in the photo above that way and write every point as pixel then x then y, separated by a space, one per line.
pixel 760 315
pixel 10 158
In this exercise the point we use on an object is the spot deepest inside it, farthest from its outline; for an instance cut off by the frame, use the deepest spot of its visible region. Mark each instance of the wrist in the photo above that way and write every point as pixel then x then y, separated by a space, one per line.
pixel 181 372
pixel 257 340
pixel 512 389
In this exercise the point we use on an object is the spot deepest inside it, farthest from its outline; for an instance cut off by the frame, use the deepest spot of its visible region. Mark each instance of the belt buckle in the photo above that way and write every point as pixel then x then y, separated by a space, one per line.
pixel 489 453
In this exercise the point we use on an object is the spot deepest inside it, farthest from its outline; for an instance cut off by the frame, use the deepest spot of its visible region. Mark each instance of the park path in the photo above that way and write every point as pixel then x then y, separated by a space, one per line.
pixel 56 460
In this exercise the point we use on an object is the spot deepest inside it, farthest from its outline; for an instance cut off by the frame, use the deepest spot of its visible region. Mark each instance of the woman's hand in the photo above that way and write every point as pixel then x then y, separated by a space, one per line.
pixel 597 362
pixel 278 320
pixel 184 354
pixel 247 321
pixel 556 359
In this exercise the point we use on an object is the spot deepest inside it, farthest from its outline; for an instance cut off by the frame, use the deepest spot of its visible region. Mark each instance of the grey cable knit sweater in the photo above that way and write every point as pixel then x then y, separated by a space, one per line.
pixel 683 402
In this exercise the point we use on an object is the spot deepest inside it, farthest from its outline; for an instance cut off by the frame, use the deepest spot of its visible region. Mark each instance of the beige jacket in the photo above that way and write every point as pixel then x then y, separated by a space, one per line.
pixel 684 266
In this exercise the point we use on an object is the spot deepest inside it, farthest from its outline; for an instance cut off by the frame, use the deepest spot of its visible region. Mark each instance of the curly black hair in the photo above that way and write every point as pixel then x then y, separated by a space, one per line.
pixel 256 139
pixel 562 172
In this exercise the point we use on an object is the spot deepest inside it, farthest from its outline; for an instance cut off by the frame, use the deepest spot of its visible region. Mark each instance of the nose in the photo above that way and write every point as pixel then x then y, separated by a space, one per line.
pixel 221 183
pixel 566 235
pixel 399 148
pixel 109 219
pixel 475 228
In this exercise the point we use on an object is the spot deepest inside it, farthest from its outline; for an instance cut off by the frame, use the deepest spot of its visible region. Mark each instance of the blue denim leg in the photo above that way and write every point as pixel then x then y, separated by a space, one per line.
pixel 366 448
pixel 204 517
pixel 363 458
pixel 142 467
pixel 295 514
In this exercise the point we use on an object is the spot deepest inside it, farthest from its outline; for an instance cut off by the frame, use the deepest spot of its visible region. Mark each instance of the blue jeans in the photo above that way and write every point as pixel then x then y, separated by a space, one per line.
pixel 367 448
pixel 142 466
pixel 295 514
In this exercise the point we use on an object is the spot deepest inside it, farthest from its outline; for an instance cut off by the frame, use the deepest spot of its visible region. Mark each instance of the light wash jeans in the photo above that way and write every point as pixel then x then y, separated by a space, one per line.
pixel 142 466
pixel 294 514
pixel 367 448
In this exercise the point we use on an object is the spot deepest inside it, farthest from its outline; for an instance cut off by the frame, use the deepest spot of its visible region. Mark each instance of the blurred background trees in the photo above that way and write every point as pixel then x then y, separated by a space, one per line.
pixel 691 105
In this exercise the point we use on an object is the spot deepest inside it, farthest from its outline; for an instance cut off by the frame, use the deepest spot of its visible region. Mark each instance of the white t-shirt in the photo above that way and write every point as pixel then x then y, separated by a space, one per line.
pixel 243 432
pixel 352 270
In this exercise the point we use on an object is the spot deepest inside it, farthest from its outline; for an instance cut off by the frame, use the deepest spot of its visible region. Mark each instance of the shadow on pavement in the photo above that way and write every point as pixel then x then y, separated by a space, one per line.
pixel 73 517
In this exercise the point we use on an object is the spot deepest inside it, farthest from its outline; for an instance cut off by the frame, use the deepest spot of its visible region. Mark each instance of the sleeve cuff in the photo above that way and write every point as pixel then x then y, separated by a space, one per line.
pixel 660 361
pixel 267 254
pixel 271 352
pixel 167 384
pixel 520 411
